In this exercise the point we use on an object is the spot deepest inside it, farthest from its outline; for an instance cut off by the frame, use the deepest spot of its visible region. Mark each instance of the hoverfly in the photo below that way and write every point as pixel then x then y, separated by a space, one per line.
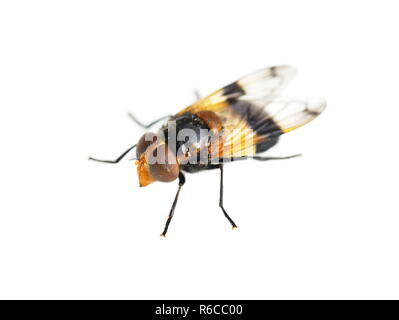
pixel 237 122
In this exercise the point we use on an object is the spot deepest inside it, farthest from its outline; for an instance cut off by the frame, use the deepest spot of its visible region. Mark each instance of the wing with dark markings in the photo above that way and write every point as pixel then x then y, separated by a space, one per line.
pixel 252 114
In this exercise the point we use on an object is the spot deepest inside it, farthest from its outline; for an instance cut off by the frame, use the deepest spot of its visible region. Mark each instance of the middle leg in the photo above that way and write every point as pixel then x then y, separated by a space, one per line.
pixel 221 199
pixel 149 125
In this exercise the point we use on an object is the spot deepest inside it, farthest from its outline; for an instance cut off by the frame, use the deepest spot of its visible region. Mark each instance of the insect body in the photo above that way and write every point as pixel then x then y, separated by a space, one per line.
pixel 237 122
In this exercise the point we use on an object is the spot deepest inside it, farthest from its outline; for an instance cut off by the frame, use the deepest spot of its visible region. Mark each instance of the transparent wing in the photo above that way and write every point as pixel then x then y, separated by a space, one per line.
pixel 251 111
pixel 257 85
pixel 260 123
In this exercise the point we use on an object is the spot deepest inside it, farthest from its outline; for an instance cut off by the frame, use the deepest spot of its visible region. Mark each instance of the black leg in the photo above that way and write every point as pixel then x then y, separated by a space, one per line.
pixel 221 198
pixel 146 126
pixel 114 161
pixel 197 94
pixel 182 180
pixel 226 160
pixel 275 158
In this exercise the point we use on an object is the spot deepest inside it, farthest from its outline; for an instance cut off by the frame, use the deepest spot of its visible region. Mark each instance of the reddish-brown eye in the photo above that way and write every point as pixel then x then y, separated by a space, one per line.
pixel 145 141
pixel 165 167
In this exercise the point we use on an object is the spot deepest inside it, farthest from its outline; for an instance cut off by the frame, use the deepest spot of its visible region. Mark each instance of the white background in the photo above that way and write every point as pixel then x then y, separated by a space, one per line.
pixel 321 226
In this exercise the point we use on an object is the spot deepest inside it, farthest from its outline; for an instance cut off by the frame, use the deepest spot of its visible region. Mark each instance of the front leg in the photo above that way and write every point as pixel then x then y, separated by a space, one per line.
pixel 117 159
pixel 182 180
pixel 221 198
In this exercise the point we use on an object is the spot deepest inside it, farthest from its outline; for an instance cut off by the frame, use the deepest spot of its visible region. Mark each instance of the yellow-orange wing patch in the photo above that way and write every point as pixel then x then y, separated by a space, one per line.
pixel 259 84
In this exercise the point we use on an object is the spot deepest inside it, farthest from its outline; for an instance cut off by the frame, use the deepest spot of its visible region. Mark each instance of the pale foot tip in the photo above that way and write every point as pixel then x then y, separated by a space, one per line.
pixel 234 227
pixel 162 235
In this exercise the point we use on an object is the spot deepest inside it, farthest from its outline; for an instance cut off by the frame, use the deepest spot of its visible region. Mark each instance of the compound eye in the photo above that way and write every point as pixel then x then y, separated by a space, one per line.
pixel 165 168
pixel 145 141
